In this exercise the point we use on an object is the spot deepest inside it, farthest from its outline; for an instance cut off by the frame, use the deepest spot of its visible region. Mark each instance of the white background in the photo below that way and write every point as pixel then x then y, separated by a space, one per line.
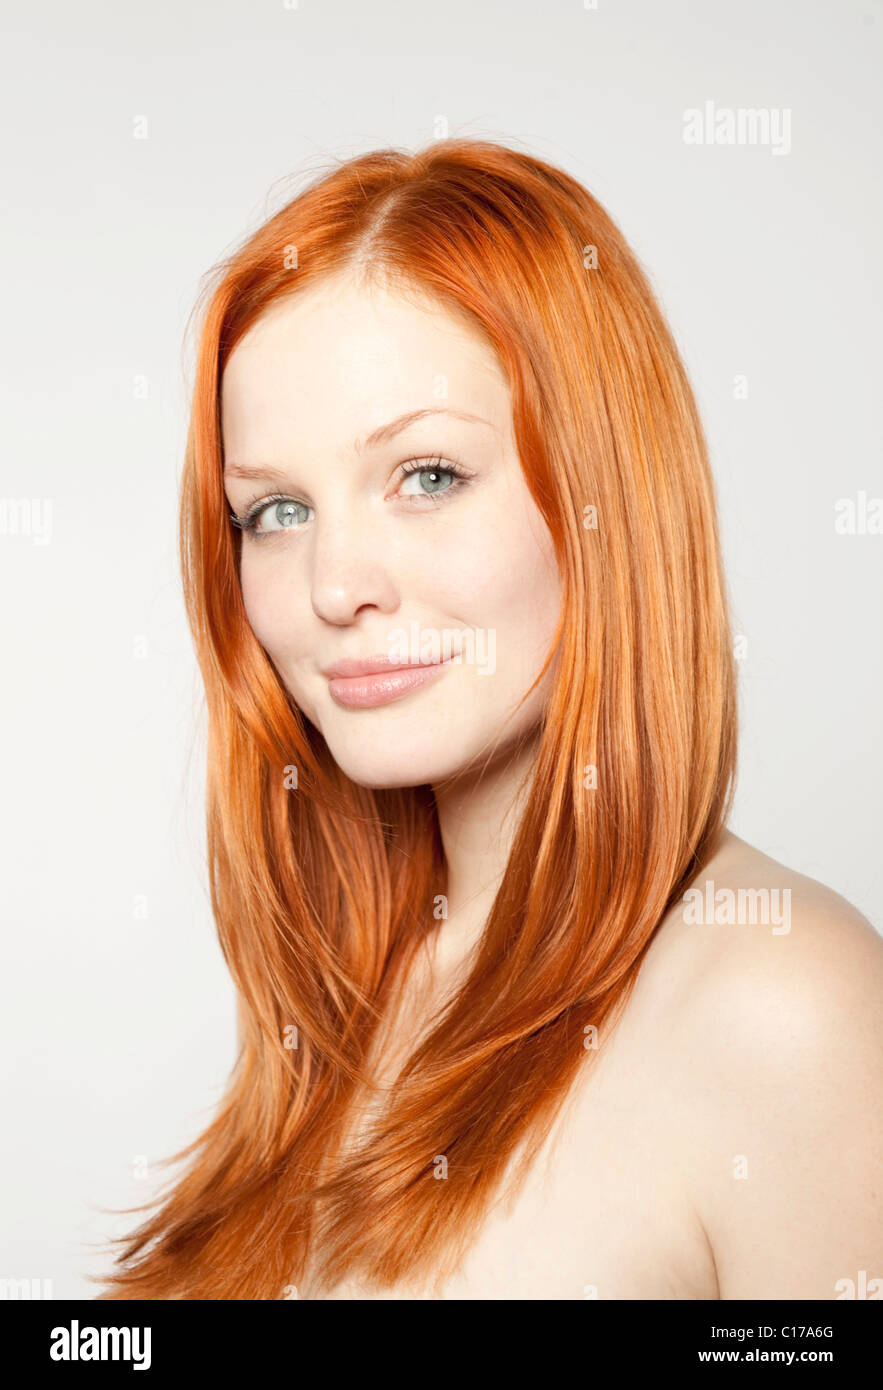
pixel 119 1027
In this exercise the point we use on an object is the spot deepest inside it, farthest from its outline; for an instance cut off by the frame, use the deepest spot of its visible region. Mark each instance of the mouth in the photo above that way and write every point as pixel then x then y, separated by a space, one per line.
pixel 365 688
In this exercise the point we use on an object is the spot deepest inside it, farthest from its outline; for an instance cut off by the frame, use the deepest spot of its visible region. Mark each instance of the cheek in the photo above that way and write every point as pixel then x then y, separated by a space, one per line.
pixel 511 580
pixel 271 609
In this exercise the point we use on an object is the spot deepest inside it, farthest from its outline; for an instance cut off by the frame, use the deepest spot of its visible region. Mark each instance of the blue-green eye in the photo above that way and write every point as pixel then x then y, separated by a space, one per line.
pixel 283 514
pixel 430 474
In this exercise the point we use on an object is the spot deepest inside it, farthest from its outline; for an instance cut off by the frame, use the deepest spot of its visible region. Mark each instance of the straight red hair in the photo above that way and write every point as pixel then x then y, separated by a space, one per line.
pixel 323 894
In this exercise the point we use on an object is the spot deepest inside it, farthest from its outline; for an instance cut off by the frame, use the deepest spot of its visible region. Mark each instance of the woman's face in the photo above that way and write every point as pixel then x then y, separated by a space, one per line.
pixel 324 400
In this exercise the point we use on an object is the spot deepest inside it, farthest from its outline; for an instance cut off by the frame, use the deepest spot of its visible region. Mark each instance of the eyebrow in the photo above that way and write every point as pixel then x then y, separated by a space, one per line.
pixel 378 436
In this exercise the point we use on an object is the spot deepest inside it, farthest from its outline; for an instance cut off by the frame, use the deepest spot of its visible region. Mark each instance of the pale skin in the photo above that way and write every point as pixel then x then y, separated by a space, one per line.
pixel 726 1139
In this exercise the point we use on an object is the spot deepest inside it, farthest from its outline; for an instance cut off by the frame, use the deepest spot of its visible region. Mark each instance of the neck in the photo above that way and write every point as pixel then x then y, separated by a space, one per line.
pixel 478 819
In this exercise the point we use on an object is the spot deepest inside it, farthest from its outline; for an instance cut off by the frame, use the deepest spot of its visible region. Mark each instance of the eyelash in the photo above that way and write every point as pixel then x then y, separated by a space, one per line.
pixel 259 504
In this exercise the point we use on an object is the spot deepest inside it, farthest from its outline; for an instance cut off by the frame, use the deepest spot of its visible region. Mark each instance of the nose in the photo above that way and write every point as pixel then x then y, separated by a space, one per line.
pixel 349 569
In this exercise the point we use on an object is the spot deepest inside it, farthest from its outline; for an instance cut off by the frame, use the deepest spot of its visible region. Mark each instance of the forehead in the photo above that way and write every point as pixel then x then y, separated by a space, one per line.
pixel 339 359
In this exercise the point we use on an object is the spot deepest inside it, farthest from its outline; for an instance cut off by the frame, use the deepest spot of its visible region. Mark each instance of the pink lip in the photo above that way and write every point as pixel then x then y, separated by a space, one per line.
pixel 377 680
pixel 367 666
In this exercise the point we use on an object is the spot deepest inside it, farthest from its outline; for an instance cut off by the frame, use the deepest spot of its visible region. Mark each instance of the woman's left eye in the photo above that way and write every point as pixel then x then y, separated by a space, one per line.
pixel 430 476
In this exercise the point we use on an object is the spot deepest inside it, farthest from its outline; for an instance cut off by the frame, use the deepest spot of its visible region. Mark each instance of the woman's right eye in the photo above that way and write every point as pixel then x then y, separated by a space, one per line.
pixel 275 514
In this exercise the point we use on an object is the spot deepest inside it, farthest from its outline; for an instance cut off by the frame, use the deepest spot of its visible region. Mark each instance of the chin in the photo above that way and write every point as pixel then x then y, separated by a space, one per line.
pixel 393 762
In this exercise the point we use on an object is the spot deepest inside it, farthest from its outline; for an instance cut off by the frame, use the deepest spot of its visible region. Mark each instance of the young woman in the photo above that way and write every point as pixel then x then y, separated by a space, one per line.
pixel 520 1017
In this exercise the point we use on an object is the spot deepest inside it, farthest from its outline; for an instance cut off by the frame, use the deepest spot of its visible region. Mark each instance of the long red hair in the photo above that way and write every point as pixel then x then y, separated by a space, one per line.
pixel 323 894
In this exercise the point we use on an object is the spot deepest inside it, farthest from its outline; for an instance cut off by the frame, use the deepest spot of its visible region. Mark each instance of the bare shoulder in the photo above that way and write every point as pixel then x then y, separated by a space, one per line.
pixel 771 986
pixel 777 948
pixel 748 924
